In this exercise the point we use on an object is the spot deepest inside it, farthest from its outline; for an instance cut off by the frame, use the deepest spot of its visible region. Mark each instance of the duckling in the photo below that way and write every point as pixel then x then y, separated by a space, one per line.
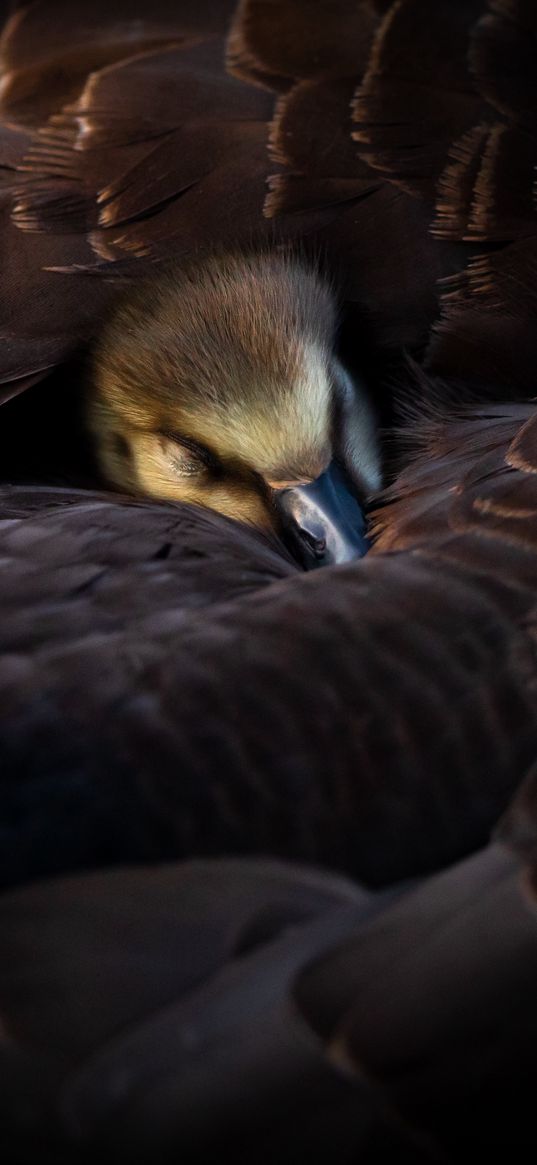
pixel 219 384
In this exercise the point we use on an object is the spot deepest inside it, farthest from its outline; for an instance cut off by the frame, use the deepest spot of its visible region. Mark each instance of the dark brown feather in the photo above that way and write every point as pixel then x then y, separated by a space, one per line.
pixel 379 724
pixel 148 178
pixel 435 1000
pixel 48 53
pixel 208 1026
pixel 416 95
pixel 171 685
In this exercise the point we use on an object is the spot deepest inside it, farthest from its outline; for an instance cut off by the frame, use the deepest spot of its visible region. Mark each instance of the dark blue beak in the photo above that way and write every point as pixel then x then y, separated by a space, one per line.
pixel 323 522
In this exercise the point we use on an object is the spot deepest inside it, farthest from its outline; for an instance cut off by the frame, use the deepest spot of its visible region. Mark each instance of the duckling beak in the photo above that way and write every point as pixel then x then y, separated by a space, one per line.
pixel 323 522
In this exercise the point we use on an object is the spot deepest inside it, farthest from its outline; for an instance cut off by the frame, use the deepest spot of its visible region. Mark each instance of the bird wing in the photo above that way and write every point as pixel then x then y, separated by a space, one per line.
pixel 209 952
pixel 171 685
pixel 379 724
pixel 272 1011
pixel 402 150
pixel 433 999
pixel 141 132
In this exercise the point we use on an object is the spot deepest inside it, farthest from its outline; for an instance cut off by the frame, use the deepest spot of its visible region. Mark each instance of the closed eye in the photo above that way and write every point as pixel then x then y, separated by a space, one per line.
pixel 200 457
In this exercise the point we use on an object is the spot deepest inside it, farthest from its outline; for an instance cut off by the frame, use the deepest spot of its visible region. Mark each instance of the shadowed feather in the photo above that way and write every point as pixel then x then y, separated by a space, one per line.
pixel 434 999
pixel 172 686
pixel 385 747
pixel 211 952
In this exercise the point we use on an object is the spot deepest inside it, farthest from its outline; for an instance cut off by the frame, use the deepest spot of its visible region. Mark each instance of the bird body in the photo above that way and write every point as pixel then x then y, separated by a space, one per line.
pixel 220 378
pixel 252 224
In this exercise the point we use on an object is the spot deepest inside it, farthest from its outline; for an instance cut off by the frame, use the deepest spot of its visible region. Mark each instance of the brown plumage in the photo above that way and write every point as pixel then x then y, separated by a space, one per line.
pixel 147 144
pixel 308 1019
pixel 213 954
pixel 172 684
pixel 146 147
pixel 378 720
pixel 433 1001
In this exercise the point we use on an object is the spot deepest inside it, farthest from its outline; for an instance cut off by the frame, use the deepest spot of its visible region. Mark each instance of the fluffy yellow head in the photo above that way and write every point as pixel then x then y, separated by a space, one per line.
pixel 216 384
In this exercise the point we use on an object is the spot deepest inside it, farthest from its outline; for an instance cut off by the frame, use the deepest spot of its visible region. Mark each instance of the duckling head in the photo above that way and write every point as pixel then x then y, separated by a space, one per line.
pixel 219 384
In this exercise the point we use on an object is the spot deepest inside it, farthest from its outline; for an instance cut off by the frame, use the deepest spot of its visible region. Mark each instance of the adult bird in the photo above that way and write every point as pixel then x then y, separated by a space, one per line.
pixel 379 717
pixel 230 230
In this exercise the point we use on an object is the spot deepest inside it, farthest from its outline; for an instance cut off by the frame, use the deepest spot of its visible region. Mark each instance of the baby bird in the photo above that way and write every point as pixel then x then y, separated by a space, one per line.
pixel 219 384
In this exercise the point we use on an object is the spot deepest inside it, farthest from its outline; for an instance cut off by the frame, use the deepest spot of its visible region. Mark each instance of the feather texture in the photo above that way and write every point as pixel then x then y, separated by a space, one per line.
pixel 384 734
pixel 148 133
pixel 434 999
pixel 305 1016
pixel 172 687
pixel 211 952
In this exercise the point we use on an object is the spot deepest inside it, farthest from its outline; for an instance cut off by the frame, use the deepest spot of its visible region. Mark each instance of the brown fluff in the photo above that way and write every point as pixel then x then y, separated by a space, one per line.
pixel 218 383
pixel 230 358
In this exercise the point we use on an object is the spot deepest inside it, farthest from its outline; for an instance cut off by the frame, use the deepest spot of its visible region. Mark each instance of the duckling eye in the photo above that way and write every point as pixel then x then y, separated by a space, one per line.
pixel 187 468
pixel 188 458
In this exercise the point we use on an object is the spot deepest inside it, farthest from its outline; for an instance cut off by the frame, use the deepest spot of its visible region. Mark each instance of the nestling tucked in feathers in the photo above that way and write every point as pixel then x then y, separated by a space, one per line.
pixel 219 385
